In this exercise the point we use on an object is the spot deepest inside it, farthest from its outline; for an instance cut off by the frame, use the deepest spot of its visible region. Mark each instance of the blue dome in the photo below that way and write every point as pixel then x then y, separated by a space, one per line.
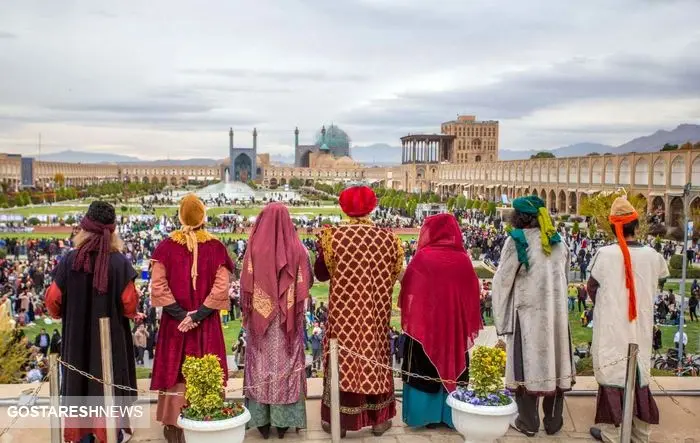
pixel 324 147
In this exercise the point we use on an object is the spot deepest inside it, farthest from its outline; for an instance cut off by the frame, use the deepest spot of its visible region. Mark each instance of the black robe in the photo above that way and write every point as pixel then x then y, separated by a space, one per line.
pixel 81 309
pixel 416 362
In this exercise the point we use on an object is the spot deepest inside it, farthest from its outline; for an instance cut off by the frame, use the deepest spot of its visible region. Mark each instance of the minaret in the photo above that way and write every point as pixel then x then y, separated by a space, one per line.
pixel 255 141
pixel 297 159
pixel 230 155
pixel 323 134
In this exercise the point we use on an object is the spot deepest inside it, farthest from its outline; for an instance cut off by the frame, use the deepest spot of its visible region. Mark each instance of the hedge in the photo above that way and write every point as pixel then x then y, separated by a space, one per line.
pixel 676 261
pixel 482 272
pixel 691 272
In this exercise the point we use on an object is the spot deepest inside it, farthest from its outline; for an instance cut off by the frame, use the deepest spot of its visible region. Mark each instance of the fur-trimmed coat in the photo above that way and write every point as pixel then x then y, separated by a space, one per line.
pixel 537 300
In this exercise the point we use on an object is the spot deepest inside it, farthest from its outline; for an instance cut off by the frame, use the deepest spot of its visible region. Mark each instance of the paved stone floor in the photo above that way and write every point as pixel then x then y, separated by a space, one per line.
pixel 676 427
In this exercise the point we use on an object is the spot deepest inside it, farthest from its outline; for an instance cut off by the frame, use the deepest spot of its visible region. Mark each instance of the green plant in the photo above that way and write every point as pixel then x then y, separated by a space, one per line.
pixel 204 392
pixel 14 351
pixel 575 229
pixel 486 367
pixel 676 261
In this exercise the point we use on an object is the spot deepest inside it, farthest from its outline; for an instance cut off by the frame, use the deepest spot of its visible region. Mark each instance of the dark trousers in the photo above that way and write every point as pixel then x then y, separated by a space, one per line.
pixel 694 313
pixel 529 412
pixel 581 305
pixel 139 354
pixel 316 356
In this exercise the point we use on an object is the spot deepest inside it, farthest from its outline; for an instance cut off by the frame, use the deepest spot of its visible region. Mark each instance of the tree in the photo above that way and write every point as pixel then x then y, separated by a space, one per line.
pixel 575 229
pixel 59 179
pixel 598 208
pixel 491 209
pixel 450 203
pixel 296 183
pixel 669 147
pixel 592 154
pixel 14 351
pixel 461 202
pixel 543 154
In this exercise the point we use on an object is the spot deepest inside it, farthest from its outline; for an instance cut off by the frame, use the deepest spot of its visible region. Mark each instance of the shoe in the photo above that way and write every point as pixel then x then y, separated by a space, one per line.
pixel 264 431
pixel 596 433
pixel 378 430
pixel 281 432
pixel 173 434
pixel 514 425
pixel 327 429
pixel 552 429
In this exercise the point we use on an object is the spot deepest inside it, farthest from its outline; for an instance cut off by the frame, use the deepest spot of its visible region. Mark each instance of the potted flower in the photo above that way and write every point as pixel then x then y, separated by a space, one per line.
pixel 206 417
pixel 483 411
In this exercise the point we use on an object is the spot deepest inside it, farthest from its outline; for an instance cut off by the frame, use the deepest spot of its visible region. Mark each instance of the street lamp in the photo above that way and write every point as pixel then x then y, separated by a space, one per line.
pixel 687 226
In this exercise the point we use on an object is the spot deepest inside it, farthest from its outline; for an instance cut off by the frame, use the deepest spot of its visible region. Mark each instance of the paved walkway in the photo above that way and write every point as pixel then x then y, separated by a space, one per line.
pixel 675 427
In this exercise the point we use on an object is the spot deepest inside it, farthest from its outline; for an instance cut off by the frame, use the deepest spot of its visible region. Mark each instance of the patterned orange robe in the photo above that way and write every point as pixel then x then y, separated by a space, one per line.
pixel 363 262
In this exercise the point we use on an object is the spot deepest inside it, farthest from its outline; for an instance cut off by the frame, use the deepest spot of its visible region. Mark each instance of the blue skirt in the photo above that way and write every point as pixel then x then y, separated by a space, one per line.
pixel 421 408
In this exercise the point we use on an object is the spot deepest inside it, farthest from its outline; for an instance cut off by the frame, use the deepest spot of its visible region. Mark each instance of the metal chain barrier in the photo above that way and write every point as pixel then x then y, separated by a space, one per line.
pixel 461 383
pixel 33 396
pixel 89 376
pixel 673 399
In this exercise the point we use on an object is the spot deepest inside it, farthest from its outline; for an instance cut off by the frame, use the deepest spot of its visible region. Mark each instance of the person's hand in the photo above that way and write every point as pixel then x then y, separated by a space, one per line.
pixel 187 324
pixel 140 316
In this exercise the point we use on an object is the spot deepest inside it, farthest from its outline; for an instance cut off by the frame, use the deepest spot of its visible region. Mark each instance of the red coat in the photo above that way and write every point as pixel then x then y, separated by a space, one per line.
pixel 208 337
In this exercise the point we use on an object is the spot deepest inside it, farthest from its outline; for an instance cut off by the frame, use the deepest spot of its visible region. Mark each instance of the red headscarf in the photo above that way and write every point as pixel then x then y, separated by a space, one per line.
pixel 274 262
pixel 358 201
pixel 100 243
pixel 439 297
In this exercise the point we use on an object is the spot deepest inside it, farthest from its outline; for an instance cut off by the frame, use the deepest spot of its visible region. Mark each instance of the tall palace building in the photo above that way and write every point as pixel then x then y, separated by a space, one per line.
pixel 474 140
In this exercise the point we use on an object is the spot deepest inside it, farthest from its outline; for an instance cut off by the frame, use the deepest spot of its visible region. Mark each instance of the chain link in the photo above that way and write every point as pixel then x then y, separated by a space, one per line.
pixel 89 376
pixel 354 354
pixel 461 383
pixel 34 396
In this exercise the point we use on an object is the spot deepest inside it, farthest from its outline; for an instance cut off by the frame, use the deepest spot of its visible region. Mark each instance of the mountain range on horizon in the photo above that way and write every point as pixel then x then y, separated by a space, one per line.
pixel 384 154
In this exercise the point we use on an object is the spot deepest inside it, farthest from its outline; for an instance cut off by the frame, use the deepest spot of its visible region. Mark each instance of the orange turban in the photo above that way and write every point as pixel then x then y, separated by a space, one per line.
pixel 621 213
pixel 358 201
pixel 192 215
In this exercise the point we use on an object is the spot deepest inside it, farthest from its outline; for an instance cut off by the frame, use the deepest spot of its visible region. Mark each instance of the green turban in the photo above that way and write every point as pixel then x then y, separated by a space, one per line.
pixel 534 205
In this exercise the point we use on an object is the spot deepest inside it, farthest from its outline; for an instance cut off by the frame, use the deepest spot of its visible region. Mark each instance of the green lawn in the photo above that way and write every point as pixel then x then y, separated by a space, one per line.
pixel 64 210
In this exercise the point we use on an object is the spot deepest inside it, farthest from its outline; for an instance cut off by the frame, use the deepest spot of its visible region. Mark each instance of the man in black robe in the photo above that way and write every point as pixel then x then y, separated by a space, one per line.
pixel 95 281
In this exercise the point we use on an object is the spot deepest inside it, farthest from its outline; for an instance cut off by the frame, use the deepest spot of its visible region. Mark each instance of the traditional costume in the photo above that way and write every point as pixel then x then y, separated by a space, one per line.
pixel 190 278
pixel 274 290
pixel 440 316
pixel 623 283
pixel 91 282
pixel 362 262
pixel 530 308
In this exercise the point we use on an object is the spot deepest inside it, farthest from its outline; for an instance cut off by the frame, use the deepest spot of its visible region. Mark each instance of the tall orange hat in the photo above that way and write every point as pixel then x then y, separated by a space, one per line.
pixel 192 216
pixel 621 213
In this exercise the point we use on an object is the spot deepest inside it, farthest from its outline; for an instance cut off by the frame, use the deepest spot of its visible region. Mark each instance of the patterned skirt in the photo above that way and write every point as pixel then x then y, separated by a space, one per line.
pixel 358 411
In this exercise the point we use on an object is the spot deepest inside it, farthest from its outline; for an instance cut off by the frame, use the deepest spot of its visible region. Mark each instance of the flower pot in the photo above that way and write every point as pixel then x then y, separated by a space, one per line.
pixel 231 430
pixel 481 424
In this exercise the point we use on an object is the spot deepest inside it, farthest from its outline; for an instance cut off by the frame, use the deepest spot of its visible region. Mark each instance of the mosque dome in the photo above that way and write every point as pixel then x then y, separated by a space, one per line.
pixel 324 147
pixel 335 139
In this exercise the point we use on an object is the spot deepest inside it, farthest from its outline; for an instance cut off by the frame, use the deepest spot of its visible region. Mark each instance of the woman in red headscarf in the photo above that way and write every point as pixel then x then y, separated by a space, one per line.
pixel 275 284
pixel 440 316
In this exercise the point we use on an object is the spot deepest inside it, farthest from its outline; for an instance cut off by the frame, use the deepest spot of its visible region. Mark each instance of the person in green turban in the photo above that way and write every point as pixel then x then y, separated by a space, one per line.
pixel 529 210
pixel 530 308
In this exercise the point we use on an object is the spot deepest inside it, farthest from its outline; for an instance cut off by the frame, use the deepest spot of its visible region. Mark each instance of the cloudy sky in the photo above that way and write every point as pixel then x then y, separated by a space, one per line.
pixel 161 78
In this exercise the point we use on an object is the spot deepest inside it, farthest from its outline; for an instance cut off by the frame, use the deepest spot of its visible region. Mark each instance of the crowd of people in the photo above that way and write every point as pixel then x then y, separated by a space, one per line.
pixel 193 285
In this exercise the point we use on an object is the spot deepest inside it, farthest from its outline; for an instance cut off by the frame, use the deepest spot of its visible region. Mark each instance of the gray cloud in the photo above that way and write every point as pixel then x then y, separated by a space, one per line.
pixel 518 94
pixel 378 68
pixel 252 74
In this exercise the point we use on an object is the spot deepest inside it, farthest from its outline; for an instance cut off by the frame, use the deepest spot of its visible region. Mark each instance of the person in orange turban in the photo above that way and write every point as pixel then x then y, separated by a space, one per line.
pixel 623 282
pixel 190 280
